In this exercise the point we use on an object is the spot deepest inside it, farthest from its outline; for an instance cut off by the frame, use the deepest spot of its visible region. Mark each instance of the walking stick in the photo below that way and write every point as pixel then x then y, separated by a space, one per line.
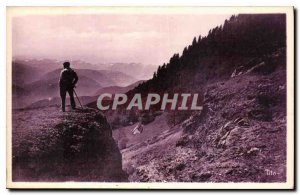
pixel 78 99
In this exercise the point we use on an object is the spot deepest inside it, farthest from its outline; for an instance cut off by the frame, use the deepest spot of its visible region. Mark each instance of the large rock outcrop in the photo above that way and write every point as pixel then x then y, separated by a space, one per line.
pixel 49 145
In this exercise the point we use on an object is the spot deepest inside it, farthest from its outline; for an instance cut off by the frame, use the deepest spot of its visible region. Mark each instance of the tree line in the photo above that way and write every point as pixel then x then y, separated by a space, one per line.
pixel 243 35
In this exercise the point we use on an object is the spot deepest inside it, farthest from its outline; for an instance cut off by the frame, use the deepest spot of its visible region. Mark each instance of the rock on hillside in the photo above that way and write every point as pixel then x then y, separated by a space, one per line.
pixel 48 145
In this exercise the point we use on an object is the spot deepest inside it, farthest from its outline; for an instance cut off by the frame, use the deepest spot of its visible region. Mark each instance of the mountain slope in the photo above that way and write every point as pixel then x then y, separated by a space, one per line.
pixel 89 81
pixel 49 145
pixel 104 77
pixel 23 74
pixel 56 102
pixel 117 89
pixel 85 100
pixel 239 136
pixel 239 69
pixel 137 70
pixel 242 40
pixel 46 87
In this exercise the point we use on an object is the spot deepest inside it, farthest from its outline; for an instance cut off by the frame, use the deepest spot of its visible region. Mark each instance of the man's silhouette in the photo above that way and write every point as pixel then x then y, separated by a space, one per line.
pixel 67 81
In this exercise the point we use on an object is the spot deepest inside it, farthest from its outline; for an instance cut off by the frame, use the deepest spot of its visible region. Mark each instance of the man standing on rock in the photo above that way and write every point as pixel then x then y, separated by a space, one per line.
pixel 67 81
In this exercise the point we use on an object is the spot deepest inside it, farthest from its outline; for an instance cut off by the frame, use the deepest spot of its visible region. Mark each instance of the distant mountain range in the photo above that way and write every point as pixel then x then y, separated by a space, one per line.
pixel 91 100
pixel 136 70
pixel 117 89
pixel 32 83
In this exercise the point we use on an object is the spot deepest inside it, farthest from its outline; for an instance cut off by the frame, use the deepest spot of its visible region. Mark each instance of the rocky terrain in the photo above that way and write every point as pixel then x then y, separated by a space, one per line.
pixel 49 145
pixel 239 136
pixel 239 72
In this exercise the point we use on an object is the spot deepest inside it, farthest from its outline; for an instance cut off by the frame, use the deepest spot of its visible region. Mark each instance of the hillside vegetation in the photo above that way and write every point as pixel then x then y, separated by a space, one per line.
pixel 243 40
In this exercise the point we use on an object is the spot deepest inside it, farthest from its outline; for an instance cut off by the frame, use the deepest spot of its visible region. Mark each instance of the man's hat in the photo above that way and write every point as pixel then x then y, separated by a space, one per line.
pixel 66 64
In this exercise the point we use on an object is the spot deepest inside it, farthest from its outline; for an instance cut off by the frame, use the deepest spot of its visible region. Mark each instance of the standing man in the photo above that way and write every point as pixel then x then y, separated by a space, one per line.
pixel 67 81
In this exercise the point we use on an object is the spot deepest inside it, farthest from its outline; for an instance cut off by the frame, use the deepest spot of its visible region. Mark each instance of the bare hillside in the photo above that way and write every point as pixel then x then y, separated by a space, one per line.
pixel 239 136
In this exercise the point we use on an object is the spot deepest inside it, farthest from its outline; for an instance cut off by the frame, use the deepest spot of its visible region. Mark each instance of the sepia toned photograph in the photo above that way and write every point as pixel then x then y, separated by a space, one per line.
pixel 150 97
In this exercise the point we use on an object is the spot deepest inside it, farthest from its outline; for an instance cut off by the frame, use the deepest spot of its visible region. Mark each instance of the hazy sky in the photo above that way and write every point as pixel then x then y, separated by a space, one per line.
pixel 149 39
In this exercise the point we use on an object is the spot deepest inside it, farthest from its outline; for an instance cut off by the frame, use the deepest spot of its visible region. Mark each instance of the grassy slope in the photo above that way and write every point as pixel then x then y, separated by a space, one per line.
pixel 239 135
